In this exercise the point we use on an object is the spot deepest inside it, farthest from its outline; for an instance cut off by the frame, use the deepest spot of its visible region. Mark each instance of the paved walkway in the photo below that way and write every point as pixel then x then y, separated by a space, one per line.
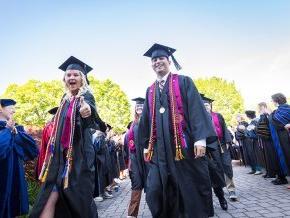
pixel 257 198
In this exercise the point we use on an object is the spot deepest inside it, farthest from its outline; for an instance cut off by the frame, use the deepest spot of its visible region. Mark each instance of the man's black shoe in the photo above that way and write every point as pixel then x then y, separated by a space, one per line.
pixel 280 181
pixel 223 203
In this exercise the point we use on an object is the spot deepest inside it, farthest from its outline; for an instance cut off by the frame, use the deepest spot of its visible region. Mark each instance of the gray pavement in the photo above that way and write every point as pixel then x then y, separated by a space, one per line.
pixel 257 198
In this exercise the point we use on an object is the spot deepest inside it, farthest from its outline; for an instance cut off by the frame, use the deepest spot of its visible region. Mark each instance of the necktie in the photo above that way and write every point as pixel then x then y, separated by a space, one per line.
pixel 161 85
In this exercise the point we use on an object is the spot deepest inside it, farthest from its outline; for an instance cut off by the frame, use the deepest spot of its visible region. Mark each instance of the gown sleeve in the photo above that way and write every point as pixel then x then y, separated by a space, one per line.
pixel 27 143
pixel 144 125
pixel 199 122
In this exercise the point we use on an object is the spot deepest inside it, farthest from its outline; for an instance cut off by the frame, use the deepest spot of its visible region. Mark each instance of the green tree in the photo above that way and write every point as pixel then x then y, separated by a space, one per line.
pixel 228 100
pixel 113 104
pixel 35 98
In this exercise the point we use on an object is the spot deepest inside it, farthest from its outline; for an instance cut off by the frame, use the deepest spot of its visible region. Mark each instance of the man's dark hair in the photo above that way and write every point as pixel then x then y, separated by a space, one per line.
pixel 279 98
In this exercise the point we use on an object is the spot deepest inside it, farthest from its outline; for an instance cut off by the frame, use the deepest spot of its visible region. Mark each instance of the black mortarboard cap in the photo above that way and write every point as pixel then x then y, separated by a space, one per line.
pixel 7 102
pixel 158 50
pixel 206 99
pixel 53 111
pixel 139 100
pixel 250 114
pixel 129 124
pixel 109 127
pixel 72 63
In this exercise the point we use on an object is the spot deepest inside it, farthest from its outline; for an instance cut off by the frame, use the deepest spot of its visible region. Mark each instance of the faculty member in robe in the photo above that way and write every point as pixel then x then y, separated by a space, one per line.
pixel 16 147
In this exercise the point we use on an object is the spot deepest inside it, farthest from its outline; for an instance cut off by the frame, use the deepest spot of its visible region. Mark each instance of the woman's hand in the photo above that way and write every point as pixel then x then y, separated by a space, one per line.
pixel 287 126
pixel 85 109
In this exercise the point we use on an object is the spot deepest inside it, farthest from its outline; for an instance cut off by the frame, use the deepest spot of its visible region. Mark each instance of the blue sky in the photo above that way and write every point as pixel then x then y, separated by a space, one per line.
pixel 246 41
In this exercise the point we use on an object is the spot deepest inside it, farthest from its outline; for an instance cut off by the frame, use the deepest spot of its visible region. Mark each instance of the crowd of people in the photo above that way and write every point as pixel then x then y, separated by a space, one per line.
pixel 177 149
pixel 264 140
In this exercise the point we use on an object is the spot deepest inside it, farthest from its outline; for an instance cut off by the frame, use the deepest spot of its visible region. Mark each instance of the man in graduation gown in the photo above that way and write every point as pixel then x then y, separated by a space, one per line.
pixel 137 168
pixel 255 155
pixel 46 134
pixel 223 142
pixel 173 129
pixel 16 146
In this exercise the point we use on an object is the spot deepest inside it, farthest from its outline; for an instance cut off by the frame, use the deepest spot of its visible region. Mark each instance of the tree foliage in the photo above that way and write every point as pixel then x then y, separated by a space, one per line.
pixel 35 98
pixel 228 100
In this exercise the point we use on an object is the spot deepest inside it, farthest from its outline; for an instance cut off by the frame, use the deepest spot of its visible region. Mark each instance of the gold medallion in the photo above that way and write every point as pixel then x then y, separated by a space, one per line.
pixel 162 110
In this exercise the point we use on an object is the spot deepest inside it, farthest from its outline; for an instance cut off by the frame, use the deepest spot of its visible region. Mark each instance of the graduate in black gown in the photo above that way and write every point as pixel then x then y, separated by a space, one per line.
pixel 279 122
pixel 68 171
pixel 224 141
pixel 253 151
pixel 215 166
pixel 137 168
pixel 173 129
pixel 16 146
pixel 241 138
pixel 100 147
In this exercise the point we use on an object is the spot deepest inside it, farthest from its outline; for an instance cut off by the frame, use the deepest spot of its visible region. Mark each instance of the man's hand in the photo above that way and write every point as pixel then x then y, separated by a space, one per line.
pixel 85 109
pixel 10 124
pixel 199 151
pixel 287 126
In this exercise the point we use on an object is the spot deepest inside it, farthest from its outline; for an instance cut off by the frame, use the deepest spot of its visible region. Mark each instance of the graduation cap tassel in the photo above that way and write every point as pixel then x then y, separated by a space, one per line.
pixel 176 64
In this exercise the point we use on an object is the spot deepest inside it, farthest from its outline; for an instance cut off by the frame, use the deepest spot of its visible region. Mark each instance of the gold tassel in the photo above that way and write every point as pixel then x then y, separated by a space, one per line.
pixel 65 182
pixel 44 175
pixel 179 156
pixel 150 154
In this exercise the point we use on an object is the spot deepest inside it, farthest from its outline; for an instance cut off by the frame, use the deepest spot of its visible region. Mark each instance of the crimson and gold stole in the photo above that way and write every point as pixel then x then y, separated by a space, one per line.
pixel 177 117
pixel 66 139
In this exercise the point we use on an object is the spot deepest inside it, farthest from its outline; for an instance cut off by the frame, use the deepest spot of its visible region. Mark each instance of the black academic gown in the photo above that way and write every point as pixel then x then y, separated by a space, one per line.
pixel 14 150
pixel 225 151
pixel 284 140
pixel 265 141
pixel 138 170
pixel 215 165
pixel 100 164
pixel 251 145
pixel 178 188
pixel 76 201
pixel 240 136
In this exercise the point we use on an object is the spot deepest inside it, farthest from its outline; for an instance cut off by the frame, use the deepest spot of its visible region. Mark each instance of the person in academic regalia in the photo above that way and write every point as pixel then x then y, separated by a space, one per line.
pixel 46 134
pixel 174 129
pixel 251 143
pixel 223 152
pixel 266 143
pixel 215 165
pixel 16 146
pixel 240 137
pixel 279 122
pixel 68 171
pixel 100 147
pixel 137 168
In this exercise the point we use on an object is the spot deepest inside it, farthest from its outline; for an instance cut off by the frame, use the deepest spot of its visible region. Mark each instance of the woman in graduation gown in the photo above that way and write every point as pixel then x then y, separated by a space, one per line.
pixel 68 170
pixel 137 168
pixel 173 129
pixel 16 146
